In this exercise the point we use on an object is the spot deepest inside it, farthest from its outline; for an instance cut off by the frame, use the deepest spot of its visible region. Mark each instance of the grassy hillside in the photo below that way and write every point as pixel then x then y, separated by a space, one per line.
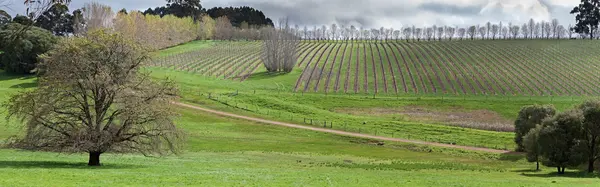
pixel 501 67
pixel 227 152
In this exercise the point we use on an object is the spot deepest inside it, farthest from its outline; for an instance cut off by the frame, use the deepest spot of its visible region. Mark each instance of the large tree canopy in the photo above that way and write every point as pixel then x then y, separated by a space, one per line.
pixel 93 98
pixel 22 50
pixel 587 18
pixel 56 19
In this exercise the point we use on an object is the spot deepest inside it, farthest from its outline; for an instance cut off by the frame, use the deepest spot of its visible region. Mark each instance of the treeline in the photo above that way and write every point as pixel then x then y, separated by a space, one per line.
pixel 488 31
pixel 564 140
pixel 194 10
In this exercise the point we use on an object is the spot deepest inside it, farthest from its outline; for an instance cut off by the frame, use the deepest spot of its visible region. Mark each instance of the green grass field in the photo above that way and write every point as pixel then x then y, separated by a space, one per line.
pixel 228 152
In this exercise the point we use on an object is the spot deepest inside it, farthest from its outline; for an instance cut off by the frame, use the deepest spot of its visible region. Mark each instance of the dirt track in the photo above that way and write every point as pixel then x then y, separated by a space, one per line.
pixel 352 134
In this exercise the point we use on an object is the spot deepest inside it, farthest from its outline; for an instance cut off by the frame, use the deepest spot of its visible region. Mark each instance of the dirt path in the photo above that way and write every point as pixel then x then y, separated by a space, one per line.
pixel 338 132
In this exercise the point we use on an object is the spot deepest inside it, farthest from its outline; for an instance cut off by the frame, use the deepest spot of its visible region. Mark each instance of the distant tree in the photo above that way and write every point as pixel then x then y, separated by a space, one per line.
pixel 123 11
pixel 450 31
pixel 280 48
pixel 514 31
pixel 504 32
pixel 237 15
pixel 547 30
pixel 531 27
pixel 21 53
pixel 418 32
pixel 461 33
pixel 407 32
pixel 591 131
pixel 494 31
pixel 528 118
pixel 482 32
pixel 223 29
pixel 554 26
pixel 560 31
pixel 333 32
pixel 440 33
pixel 587 17
pixel 471 31
pixel 429 31
pixel 396 35
pixel 525 31
pixel 23 20
pixel 559 141
pixel 92 98
pixel 97 16
pixel 305 32
pixel 570 31
pixel 488 27
pixel 537 30
pixel 353 33
pixel 5 18
pixel 56 19
pixel 532 146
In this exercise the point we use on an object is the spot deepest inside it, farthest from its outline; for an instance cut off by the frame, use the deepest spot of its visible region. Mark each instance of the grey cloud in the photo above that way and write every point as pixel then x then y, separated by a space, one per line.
pixel 450 9
pixel 374 13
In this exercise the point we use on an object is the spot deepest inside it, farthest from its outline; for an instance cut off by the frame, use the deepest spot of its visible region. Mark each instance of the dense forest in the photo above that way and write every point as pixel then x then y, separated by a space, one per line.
pixel 193 8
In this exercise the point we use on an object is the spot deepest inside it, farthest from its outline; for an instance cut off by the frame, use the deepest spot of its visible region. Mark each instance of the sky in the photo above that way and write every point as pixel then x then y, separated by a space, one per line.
pixel 375 13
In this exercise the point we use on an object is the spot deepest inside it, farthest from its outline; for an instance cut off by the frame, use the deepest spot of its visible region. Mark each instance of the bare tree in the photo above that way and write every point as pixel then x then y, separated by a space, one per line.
pixel 440 33
pixel 471 32
pixel 537 30
pixel 450 31
pixel 223 28
pixel 530 27
pixel 434 28
pixel 554 25
pixel 280 48
pixel 547 30
pixel 305 32
pixel 353 32
pixel 396 35
pixel 92 98
pixel 560 31
pixel 461 33
pixel 482 32
pixel 504 32
pixel 342 32
pixel 407 32
pixel 514 31
pixel 96 16
pixel 366 34
pixel 429 33
pixel 418 32
pixel 334 30
pixel 494 31
pixel 488 27
pixel 525 30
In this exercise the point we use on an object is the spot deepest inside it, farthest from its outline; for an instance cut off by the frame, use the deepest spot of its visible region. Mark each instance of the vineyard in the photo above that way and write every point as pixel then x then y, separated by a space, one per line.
pixel 501 67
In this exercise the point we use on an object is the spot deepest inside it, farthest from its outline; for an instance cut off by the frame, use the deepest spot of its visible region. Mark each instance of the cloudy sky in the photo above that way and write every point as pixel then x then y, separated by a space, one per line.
pixel 376 13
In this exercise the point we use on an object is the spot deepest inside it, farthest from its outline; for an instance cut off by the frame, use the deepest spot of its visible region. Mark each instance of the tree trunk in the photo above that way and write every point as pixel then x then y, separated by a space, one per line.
pixel 558 168
pixel 537 165
pixel 591 166
pixel 94 159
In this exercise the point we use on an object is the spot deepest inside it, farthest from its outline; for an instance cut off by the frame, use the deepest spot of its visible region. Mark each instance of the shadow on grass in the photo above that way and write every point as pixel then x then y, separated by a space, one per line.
pixel 4 76
pixel 25 85
pixel 580 174
pixel 265 75
pixel 512 156
pixel 60 165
